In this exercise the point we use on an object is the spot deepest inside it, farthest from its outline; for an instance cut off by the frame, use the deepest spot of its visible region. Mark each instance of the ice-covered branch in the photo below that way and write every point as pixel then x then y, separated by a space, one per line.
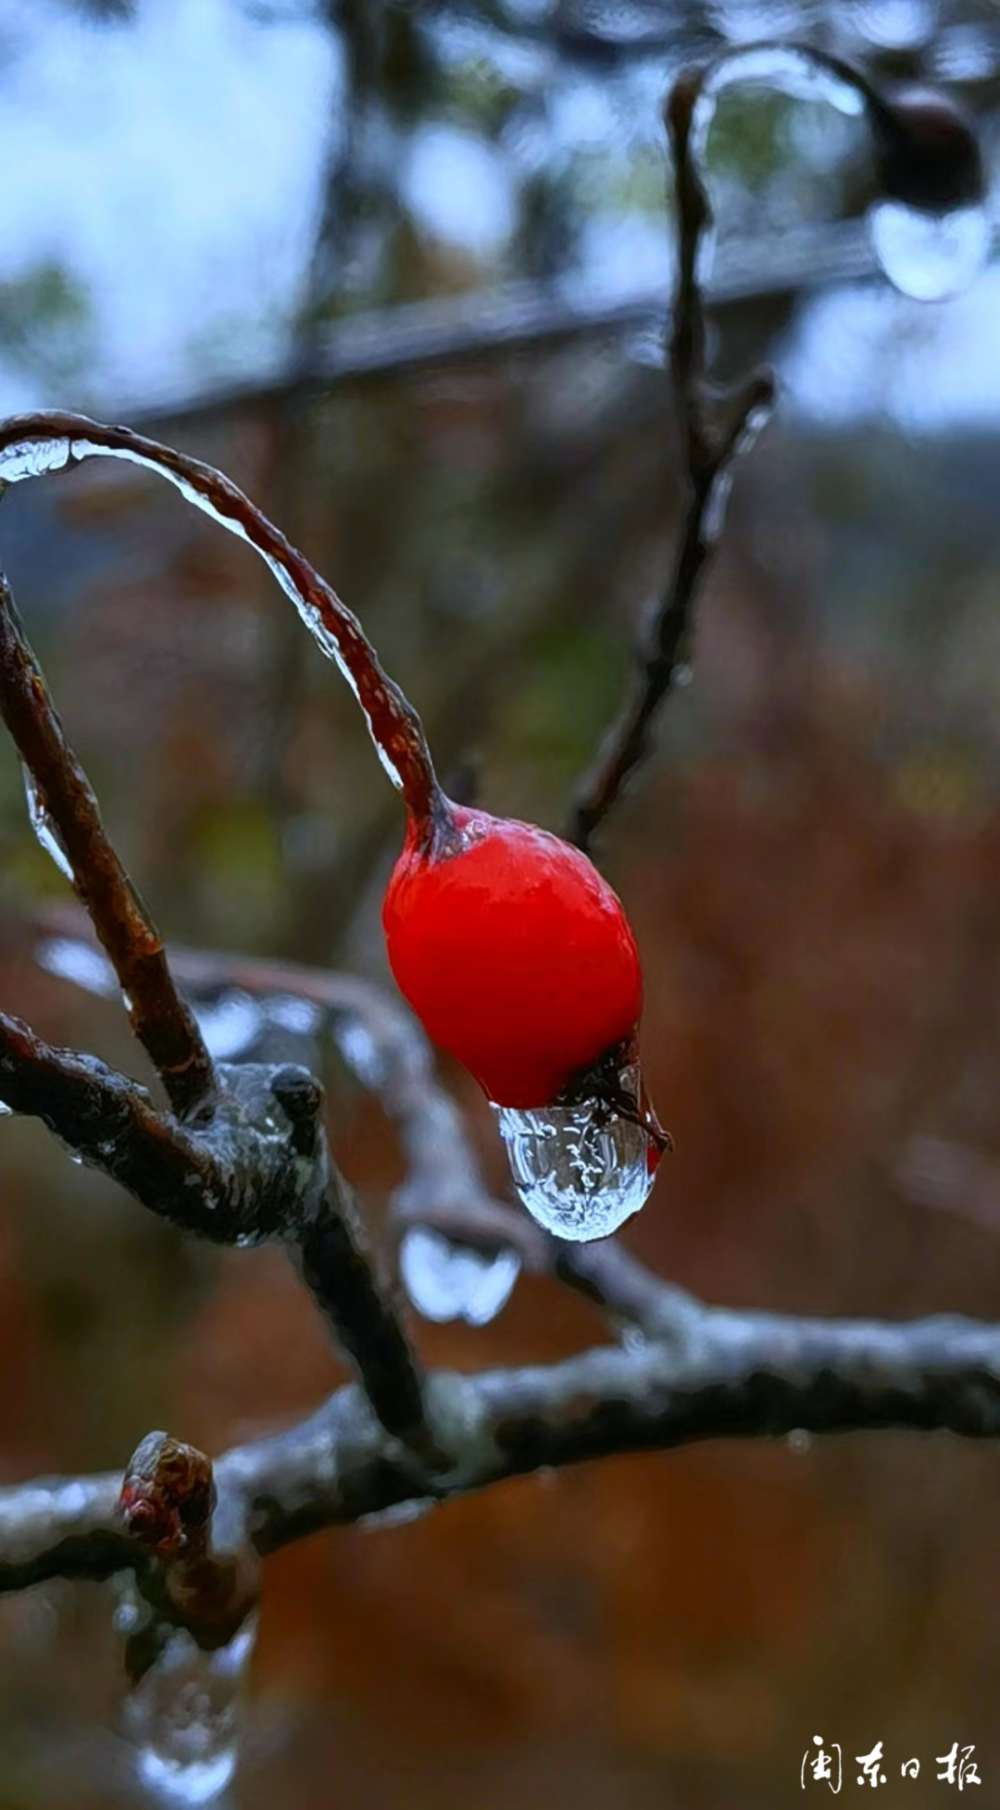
pixel 726 1375
pixel 33 446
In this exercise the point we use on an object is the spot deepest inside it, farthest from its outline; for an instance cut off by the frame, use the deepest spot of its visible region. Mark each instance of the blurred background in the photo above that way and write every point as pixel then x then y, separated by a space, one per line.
pixel 402 271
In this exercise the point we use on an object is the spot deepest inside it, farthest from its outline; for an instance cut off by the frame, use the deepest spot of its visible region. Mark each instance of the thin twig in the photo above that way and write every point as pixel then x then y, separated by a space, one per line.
pixel 709 449
pixel 160 1019
pixel 408 338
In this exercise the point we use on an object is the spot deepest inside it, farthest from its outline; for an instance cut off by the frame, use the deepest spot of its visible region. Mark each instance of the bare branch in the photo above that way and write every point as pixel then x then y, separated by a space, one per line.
pixel 160 1019
pixel 412 337
pixel 248 1160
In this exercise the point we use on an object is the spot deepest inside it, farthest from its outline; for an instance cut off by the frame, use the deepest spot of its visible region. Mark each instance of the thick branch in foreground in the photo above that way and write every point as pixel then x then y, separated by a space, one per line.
pixel 731 1375
pixel 63 794
pixel 257 1169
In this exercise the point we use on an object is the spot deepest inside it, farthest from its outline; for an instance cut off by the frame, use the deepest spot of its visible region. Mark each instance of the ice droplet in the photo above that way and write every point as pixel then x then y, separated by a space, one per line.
pixel 360 1051
pixel 43 826
pixel 5 1110
pixel 580 1170
pixel 229 1024
pixel 183 1718
pixel 73 960
pixel 447 1281
pixel 929 256
pixel 290 1013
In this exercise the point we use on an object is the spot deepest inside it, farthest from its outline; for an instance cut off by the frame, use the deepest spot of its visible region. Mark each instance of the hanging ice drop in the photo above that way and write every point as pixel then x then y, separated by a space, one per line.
pixel 447 1281
pixel 580 1170
pixel 184 1719
pixel 929 256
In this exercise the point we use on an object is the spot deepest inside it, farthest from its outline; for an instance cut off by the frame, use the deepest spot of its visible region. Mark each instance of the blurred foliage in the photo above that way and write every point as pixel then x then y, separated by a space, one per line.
pixel 46 325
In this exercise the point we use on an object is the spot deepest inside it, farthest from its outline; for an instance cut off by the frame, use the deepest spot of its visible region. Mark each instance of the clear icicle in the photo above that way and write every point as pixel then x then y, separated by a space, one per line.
pixel 33 458
pixel 447 1281
pixel 43 826
pixel 580 1170
pixel 183 1719
pixel 929 256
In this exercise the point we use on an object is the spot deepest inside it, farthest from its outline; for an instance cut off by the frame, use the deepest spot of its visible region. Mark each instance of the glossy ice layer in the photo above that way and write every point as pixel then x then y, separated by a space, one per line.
pixel 43 826
pixel 581 1171
pixel 33 458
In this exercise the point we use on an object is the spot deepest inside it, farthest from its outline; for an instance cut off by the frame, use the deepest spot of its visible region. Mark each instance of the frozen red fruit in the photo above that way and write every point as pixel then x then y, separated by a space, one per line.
pixel 515 954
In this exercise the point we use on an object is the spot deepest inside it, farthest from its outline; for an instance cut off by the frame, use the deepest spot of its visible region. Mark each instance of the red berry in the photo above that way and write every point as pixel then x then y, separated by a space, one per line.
pixel 514 953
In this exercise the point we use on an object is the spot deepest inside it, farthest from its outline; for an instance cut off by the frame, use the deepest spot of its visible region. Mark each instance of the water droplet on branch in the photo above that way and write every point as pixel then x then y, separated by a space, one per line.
pixel 447 1281
pixel 580 1170
pixel 929 256
pixel 229 1024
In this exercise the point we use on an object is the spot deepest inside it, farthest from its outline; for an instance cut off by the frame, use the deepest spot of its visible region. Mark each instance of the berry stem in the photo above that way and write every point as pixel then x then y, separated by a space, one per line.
pixel 49 441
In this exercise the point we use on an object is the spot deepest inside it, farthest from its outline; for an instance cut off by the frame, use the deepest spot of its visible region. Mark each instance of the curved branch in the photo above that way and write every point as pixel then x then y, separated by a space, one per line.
pixel 51 441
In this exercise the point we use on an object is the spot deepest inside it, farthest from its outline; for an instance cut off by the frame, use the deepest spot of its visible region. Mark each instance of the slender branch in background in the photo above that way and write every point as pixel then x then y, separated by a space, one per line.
pixel 34 445
pixel 709 448
pixel 61 794
pixel 927 157
pixel 406 338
